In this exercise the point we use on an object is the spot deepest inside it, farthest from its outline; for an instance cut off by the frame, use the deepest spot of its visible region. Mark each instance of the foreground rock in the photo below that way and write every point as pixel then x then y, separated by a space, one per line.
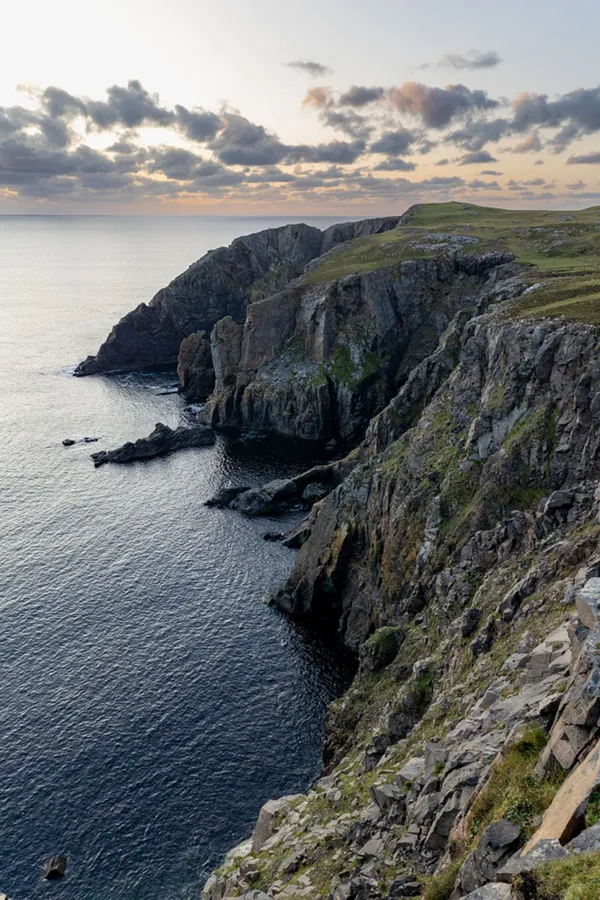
pixel 161 441
pixel 69 442
pixel 55 867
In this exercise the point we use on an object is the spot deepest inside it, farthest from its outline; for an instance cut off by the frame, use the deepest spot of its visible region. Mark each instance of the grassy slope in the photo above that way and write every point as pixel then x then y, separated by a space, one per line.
pixel 560 249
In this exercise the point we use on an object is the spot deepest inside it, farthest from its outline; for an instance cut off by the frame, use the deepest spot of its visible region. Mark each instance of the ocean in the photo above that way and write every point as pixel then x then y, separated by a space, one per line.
pixel 150 701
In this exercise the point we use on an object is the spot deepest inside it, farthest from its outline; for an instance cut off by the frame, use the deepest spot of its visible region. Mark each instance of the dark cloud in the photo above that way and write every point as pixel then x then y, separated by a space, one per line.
pixel 476 158
pixel 490 172
pixel 475 135
pixel 174 162
pixel 586 159
pixel 197 124
pixel 121 147
pixel 578 112
pixel 438 107
pixel 361 96
pixel 131 106
pixel 478 185
pixel 340 152
pixel 474 59
pixel 396 143
pixel 394 164
pixel 59 103
pixel 349 123
pixel 577 186
pixel 443 162
pixel 314 69
pixel 242 143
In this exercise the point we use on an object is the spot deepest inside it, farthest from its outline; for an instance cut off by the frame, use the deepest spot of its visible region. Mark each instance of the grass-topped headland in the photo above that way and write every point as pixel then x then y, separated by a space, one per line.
pixel 560 250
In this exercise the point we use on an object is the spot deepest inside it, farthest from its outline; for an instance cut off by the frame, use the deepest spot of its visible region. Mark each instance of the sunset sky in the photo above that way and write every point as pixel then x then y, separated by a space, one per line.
pixel 316 108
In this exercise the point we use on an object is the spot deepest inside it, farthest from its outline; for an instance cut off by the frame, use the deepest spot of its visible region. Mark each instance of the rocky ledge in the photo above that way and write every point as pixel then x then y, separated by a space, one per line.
pixel 160 442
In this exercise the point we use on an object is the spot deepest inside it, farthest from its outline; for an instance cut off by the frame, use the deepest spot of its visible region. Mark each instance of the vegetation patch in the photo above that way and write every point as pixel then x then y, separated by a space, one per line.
pixel 575 878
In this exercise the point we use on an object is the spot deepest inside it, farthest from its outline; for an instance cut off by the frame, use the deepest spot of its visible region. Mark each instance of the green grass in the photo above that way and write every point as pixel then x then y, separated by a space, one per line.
pixel 512 791
pixel 576 878
pixel 560 249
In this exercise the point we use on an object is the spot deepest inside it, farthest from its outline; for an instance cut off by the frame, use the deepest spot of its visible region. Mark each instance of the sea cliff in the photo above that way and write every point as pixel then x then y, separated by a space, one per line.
pixel 452 355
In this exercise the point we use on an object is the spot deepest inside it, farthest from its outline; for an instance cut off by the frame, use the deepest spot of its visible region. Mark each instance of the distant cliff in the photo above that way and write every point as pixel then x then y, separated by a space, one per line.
pixel 223 283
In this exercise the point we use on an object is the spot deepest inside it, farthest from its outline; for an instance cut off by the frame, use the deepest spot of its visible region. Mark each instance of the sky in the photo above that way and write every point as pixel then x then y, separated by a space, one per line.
pixel 331 107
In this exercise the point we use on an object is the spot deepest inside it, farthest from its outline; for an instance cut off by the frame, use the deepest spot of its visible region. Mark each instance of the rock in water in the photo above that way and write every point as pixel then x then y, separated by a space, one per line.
pixel 195 367
pixel 55 867
pixel 163 440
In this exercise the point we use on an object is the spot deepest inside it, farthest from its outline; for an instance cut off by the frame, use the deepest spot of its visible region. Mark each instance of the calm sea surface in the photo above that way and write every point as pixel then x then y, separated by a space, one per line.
pixel 149 701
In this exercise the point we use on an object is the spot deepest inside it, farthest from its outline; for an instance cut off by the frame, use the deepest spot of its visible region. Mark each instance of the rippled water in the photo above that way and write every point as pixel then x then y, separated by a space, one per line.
pixel 149 700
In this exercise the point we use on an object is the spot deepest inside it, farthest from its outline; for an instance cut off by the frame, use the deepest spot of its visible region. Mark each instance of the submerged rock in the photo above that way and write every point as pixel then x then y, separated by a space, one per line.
pixel 162 441
pixel 55 867
pixel 68 442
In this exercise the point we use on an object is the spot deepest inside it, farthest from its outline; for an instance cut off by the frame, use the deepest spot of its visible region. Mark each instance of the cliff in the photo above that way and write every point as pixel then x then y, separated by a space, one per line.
pixel 458 555
pixel 454 545
pixel 223 283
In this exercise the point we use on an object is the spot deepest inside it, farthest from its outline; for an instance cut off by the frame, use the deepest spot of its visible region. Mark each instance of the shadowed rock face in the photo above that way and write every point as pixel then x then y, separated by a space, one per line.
pixel 319 361
pixel 195 367
pixel 222 283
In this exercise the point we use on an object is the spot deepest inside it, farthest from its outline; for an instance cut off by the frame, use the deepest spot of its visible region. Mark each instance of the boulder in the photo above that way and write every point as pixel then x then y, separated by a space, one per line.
pixel 495 846
pixel 160 442
pixel 405 886
pixel 410 771
pixel 545 850
pixel 586 842
pixel 491 892
pixel 55 867
pixel 485 639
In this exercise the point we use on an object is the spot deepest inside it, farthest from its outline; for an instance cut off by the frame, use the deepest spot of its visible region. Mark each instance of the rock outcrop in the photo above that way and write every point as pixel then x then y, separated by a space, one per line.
pixel 222 283
pixel 318 361
pixel 195 367
pixel 160 442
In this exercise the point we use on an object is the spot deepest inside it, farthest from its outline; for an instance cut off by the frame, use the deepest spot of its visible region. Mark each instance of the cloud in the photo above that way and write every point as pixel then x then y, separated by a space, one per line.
pixel 476 158
pixel 394 164
pixel 475 135
pixel 577 186
pixel 578 111
pixel 197 124
pixel 586 159
pixel 474 59
pixel 394 142
pixel 443 162
pixel 438 107
pixel 490 172
pixel 361 96
pixel 478 185
pixel 319 98
pixel 531 144
pixel 349 123
pixel 242 143
pixel 333 152
pixel 314 69
pixel 130 106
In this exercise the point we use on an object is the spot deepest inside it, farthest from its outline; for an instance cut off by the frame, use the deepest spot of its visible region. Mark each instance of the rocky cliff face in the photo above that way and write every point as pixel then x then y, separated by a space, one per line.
pixel 318 361
pixel 459 560
pixel 223 283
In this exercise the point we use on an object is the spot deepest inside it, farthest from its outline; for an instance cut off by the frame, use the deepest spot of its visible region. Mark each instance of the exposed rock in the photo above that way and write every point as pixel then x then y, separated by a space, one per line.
pixel 405 886
pixel 161 441
pixel 223 283
pixel 491 892
pixel 69 442
pixel 496 845
pixel 484 640
pixel 55 867
pixel 195 367
pixel 565 817
pixel 586 842
pixel 224 496
pixel 545 850
pixel 469 622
